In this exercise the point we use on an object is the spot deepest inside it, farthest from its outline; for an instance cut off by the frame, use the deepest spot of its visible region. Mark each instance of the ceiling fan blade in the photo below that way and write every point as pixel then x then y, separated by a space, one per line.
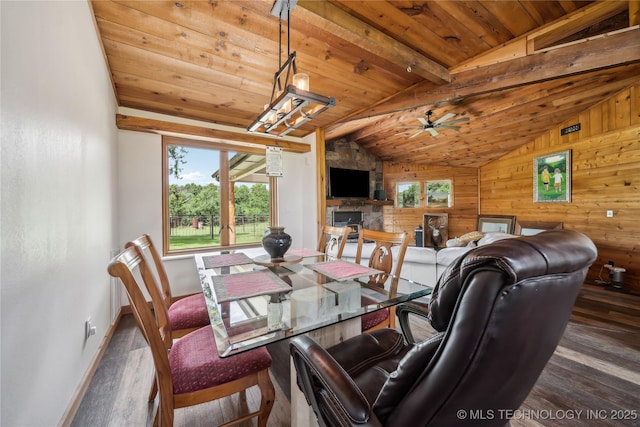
pixel 445 118
pixel 416 134
pixel 433 132
pixel 423 121
pixel 462 119
pixel 449 127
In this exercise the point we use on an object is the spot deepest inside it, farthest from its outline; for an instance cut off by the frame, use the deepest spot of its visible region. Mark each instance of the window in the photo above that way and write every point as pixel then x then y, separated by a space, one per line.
pixel 439 194
pixel 214 196
pixel 408 195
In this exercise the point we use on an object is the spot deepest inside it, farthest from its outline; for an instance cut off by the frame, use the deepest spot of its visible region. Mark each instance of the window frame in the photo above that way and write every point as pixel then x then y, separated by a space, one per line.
pixel 450 199
pixel 224 189
pixel 399 202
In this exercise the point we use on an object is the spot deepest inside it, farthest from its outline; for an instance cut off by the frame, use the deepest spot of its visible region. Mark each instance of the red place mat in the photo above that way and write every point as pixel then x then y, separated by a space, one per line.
pixel 232 287
pixel 224 260
pixel 342 270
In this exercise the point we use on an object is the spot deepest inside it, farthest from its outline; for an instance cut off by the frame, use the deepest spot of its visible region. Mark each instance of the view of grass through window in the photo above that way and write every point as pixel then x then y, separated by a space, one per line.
pixel 195 206
pixel 439 194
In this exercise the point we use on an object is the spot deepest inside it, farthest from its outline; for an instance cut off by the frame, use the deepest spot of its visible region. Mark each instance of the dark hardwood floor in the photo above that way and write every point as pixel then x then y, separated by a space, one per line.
pixel 593 379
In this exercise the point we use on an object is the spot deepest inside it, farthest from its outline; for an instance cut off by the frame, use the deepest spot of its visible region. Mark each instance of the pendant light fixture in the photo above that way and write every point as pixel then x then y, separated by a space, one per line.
pixel 291 104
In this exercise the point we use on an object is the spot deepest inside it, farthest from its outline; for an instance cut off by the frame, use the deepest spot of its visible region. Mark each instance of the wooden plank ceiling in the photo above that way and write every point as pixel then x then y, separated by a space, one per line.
pixel 513 68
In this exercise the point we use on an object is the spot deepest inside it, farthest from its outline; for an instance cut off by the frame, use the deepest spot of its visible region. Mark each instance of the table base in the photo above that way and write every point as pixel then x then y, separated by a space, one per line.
pixel 301 413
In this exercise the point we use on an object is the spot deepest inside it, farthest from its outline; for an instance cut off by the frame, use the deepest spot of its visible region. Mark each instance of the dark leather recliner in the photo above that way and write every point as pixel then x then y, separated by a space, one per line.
pixel 499 312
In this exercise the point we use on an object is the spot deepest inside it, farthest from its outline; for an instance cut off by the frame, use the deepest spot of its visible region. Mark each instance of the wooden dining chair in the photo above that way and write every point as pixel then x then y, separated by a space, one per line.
pixel 332 240
pixel 381 259
pixel 185 314
pixel 189 372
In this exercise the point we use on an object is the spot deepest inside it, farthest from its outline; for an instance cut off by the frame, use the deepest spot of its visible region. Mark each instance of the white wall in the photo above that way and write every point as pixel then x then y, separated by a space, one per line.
pixel 74 189
pixel 57 212
pixel 297 196
pixel 140 201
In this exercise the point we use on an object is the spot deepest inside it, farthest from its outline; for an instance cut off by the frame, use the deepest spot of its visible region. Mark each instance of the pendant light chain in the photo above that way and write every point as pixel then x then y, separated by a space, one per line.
pixel 293 104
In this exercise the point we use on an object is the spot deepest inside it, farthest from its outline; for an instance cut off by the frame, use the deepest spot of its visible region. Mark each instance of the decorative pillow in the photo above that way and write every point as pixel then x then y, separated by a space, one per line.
pixel 454 243
pixel 470 237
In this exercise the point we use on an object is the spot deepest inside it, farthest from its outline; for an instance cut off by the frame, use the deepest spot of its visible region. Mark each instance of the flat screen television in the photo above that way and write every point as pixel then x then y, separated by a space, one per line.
pixel 348 183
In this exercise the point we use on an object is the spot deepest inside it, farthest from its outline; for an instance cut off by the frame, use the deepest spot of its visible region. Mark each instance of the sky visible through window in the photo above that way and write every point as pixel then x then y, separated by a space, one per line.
pixel 200 165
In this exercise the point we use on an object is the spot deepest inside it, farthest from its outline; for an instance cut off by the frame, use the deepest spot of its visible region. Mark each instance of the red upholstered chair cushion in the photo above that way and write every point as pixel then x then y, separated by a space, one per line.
pixel 195 364
pixel 189 312
pixel 374 318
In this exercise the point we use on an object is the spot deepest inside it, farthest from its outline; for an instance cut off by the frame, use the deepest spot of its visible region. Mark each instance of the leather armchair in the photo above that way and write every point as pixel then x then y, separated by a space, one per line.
pixel 499 312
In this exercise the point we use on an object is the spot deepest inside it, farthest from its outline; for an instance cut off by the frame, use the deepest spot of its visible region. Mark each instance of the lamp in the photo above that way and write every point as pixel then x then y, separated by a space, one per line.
pixel 291 104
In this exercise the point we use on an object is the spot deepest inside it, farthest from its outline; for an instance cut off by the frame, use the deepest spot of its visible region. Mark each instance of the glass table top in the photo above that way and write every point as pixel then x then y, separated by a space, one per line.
pixel 253 302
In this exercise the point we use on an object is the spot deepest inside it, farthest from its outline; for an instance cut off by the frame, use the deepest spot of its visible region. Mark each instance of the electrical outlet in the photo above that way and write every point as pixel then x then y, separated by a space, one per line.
pixel 609 213
pixel 89 328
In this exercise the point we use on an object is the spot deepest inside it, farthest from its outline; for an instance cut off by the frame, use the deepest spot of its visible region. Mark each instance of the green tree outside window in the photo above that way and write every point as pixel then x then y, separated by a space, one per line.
pixel 408 195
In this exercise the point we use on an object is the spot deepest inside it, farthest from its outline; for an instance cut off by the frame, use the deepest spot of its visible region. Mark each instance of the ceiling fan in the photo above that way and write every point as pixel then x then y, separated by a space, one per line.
pixel 443 122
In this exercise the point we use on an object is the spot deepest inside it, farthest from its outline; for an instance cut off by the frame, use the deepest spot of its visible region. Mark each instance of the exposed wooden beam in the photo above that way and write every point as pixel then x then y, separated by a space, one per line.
pixel 335 20
pixel 608 51
pixel 571 24
pixel 634 12
pixel 179 129
pixel 321 179
pixel 545 36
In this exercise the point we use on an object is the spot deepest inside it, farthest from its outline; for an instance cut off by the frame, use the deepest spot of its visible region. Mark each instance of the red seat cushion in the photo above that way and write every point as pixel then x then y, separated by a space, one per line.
pixel 374 318
pixel 189 312
pixel 195 364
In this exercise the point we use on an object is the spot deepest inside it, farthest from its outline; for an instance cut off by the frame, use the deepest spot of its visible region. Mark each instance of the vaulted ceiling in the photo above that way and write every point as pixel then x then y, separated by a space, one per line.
pixel 513 68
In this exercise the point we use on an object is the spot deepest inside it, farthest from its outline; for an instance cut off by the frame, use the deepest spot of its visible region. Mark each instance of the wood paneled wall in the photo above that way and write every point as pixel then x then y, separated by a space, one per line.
pixel 605 176
pixel 463 214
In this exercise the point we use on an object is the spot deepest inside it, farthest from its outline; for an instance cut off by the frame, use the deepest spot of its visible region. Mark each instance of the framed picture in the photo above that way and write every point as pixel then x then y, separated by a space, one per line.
pixel 501 223
pixel 529 228
pixel 439 193
pixel 435 228
pixel 552 177
pixel 408 194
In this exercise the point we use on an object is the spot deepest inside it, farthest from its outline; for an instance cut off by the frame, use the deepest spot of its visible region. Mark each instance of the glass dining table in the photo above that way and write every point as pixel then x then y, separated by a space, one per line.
pixel 254 301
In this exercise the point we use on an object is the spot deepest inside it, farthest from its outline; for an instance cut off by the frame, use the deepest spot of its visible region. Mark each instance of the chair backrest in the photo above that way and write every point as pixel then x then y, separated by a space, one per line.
pixel 134 272
pixel 501 310
pixel 332 240
pixel 382 256
pixel 154 261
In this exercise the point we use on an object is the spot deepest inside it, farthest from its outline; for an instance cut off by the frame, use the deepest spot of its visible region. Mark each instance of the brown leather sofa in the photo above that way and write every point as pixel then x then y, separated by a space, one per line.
pixel 499 312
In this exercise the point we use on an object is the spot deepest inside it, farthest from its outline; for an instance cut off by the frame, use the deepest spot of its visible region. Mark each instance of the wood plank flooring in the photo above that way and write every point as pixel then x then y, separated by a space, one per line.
pixel 592 378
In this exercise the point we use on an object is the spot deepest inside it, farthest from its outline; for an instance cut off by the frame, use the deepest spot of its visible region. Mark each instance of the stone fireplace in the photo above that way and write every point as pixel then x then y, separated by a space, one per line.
pixel 370 216
pixel 342 153
pixel 351 219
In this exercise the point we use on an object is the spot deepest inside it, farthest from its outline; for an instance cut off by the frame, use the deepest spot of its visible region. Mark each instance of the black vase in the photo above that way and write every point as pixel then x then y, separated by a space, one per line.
pixel 276 242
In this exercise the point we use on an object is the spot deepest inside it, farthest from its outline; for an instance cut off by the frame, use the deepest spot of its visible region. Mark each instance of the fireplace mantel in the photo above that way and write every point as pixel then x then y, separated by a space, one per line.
pixel 356 202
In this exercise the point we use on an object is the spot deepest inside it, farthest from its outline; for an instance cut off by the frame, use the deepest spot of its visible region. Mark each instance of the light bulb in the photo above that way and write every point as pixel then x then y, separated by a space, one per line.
pixel 286 107
pixel 271 118
pixel 301 81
